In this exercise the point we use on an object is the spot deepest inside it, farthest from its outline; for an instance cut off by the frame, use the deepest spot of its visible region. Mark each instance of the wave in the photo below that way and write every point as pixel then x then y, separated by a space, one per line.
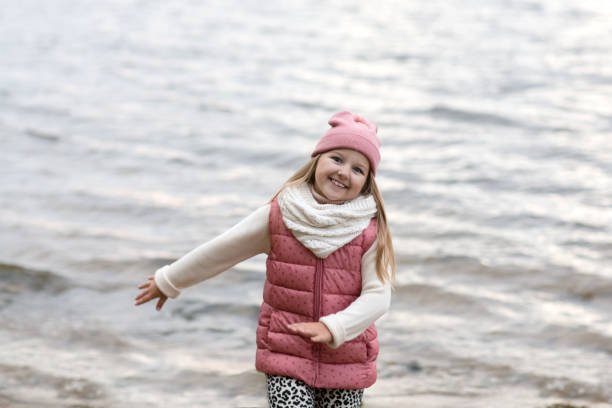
pixel 192 310
pixel 549 278
pixel 576 336
pixel 481 373
pixel 485 118
pixel 44 135
pixel 441 300
pixel 586 287
pixel 569 388
pixel 67 389
pixel 462 115
pixel 459 265
pixel 17 279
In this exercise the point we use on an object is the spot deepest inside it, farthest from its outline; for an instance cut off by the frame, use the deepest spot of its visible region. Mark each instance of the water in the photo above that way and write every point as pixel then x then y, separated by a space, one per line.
pixel 133 131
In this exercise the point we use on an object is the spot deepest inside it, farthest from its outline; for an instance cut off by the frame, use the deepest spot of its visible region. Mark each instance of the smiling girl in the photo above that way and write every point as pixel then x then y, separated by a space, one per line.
pixel 328 274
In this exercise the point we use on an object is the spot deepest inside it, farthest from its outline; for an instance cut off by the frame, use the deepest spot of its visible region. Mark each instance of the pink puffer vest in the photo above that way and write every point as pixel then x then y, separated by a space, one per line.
pixel 301 288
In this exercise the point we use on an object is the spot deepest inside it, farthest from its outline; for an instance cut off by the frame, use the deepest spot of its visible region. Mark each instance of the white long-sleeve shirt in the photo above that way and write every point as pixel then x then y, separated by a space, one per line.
pixel 251 237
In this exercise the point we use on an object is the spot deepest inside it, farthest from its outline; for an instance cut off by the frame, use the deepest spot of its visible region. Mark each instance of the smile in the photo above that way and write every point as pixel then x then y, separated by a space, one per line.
pixel 337 183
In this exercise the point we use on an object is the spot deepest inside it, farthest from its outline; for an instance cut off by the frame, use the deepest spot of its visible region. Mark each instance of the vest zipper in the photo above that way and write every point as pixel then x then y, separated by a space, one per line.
pixel 317 313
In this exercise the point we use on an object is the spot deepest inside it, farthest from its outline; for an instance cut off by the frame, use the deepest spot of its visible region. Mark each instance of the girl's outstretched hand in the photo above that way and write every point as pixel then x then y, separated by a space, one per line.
pixel 150 291
pixel 316 331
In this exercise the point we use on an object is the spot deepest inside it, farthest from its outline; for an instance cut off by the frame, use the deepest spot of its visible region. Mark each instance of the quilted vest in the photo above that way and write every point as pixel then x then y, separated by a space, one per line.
pixel 300 287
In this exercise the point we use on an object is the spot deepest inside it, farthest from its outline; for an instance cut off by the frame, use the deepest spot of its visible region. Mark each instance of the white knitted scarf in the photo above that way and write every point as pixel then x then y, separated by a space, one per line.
pixel 323 228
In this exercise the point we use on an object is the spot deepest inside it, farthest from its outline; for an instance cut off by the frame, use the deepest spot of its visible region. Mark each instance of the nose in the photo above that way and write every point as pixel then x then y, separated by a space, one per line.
pixel 343 171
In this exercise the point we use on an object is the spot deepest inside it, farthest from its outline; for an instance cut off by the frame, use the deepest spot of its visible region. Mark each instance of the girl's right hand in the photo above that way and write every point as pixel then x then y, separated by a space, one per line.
pixel 317 332
pixel 150 291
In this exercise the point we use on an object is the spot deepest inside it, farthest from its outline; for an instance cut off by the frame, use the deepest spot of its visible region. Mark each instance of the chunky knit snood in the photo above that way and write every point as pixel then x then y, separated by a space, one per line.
pixel 323 228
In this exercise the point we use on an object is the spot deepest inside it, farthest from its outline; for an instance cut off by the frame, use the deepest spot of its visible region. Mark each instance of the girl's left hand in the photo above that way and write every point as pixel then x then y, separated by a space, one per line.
pixel 316 331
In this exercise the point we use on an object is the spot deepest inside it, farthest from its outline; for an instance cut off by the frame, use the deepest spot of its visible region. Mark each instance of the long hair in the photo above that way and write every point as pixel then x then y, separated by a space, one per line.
pixel 385 255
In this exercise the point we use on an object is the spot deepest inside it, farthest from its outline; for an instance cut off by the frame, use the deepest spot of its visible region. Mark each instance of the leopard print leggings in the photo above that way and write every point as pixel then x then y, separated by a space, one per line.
pixel 287 392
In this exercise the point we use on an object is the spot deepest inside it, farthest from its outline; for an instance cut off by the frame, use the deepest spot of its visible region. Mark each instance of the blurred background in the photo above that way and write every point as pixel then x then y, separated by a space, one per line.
pixel 133 131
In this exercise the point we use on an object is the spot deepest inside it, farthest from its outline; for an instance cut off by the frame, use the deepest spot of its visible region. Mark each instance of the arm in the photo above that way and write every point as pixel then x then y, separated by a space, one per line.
pixel 373 302
pixel 246 239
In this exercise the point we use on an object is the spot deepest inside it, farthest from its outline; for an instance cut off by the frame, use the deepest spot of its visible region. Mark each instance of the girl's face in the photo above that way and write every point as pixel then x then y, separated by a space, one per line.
pixel 341 174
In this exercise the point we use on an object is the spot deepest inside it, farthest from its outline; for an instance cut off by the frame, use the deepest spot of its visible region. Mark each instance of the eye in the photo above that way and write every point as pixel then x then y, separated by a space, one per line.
pixel 336 159
pixel 358 170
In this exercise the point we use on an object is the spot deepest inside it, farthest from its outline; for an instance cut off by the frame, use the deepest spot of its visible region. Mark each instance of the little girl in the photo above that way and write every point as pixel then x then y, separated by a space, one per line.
pixel 329 271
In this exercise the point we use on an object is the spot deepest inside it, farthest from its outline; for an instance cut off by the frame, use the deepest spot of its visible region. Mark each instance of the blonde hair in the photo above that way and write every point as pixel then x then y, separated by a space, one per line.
pixel 385 256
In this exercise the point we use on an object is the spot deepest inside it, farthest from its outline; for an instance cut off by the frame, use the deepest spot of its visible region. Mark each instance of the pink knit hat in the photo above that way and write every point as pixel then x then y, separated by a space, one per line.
pixel 352 132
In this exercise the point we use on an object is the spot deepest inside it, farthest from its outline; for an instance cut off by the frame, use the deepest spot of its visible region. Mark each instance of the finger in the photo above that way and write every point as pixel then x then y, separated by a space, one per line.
pixel 302 331
pixel 319 338
pixel 147 282
pixel 140 295
pixel 160 303
pixel 140 300
pixel 145 296
pixel 296 328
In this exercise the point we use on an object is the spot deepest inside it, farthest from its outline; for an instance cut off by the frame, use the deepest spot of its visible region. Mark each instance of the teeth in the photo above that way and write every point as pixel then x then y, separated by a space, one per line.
pixel 338 183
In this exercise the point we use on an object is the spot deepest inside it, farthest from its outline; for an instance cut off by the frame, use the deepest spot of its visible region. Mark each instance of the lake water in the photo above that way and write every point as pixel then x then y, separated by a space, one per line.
pixel 133 131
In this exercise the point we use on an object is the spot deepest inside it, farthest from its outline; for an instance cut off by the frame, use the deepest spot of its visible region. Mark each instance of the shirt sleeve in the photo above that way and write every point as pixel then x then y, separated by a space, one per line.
pixel 372 303
pixel 246 239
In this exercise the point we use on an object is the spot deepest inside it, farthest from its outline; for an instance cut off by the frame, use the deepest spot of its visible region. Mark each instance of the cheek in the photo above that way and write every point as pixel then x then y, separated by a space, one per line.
pixel 318 181
pixel 359 183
